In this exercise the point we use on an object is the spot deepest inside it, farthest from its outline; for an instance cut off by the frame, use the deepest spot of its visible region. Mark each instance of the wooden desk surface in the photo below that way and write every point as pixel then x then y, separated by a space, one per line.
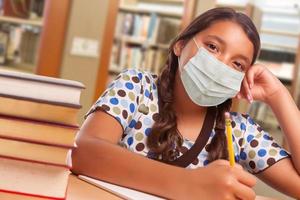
pixel 81 190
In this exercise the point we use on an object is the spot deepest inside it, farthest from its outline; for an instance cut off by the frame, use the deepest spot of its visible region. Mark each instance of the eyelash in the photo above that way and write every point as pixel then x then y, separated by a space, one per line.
pixel 241 67
pixel 212 47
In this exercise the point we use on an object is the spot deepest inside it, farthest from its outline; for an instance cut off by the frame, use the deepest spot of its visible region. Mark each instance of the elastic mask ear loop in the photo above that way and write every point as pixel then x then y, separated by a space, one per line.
pixel 196 43
pixel 180 68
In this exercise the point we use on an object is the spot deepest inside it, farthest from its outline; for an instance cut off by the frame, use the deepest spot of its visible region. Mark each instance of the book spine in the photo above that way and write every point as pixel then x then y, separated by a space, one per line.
pixel 38 142
pixel 73 127
pixel 32 195
pixel 41 101
pixel 38 162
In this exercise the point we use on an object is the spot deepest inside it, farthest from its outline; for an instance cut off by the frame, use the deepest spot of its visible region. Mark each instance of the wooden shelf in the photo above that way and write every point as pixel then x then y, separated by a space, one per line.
pixel 21 21
pixel 275 47
pixel 114 69
pixel 135 9
pixel 141 41
pixel 283 71
pixel 234 6
pixel 283 33
pixel 164 1
pixel 29 68
pixel 278 11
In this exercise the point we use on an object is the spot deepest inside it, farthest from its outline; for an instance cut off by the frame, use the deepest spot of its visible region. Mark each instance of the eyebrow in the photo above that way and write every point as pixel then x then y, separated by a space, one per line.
pixel 220 40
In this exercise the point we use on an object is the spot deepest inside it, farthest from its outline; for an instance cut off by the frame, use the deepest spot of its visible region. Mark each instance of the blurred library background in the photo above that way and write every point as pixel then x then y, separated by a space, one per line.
pixel 92 41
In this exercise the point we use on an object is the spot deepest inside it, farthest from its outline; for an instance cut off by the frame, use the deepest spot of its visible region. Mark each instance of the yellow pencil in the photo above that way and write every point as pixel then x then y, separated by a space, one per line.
pixel 229 139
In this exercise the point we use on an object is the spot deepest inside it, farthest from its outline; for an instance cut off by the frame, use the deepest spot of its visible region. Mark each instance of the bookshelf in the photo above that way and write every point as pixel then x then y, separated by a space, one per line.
pixel 278 24
pixel 28 41
pixel 21 23
pixel 137 10
pixel 143 32
pixel 18 21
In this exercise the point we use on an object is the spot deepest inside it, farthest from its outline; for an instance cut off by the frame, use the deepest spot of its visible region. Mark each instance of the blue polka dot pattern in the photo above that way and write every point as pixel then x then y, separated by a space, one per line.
pixel 250 137
pixel 129 86
pixel 130 141
pixel 262 152
pixel 254 149
pixel 131 107
pixel 140 75
pixel 243 155
pixel 283 153
pixel 132 123
pixel 147 93
pixel 206 162
pixel 148 131
pixel 267 137
pixel 114 101
pixel 243 126
pixel 251 121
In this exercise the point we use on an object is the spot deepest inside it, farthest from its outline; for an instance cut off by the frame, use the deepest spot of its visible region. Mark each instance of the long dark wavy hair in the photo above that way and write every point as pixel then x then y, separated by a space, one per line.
pixel 165 140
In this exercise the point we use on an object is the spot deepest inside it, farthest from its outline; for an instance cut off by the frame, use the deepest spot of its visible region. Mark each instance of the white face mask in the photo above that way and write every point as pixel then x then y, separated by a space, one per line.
pixel 208 81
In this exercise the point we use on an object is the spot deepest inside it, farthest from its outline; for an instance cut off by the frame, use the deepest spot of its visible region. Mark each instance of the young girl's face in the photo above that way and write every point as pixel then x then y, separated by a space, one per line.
pixel 226 40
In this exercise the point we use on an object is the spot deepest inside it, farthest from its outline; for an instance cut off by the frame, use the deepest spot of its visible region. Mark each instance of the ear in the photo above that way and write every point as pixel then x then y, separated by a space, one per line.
pixel 178 47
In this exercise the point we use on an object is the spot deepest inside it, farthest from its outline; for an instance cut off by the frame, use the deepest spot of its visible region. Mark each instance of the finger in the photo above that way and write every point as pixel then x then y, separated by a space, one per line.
pixel 220 162
pixel 245 177
pixel 247 91
pixel 238 166
pixel 238 96
pixel 244 192
pixel 242 93
pixel 250 76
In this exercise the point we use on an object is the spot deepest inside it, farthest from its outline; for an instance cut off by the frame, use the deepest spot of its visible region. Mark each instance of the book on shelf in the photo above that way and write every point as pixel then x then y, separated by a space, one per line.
pixel 1 7
pixel 167 30
pixel 13 49
pixel 42 88
pixel 37 8
pixel 22 44
pixel 148 60
pixel 37 132
pixel 21 20
pixel 131 57
pixel 29 46
pixel 19 9
pixel 56 113
pixel 3 46
pixel 34 152
pixel 152 29
pixel 24 180
pixel 160 60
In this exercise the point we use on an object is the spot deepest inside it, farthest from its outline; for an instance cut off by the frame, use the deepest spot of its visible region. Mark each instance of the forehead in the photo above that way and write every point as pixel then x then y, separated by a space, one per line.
pixel 233 35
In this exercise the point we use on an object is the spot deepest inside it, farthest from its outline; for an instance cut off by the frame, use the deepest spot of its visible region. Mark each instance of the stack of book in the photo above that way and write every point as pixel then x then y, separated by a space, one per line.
pixel 38 125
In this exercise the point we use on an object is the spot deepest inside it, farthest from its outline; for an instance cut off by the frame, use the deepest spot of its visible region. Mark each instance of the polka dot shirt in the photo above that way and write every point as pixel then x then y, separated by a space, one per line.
pixel 132 99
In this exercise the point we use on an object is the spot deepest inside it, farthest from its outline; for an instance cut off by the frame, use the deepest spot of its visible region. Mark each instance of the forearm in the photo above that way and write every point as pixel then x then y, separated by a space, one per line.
pixel 288 116
pixel 109 162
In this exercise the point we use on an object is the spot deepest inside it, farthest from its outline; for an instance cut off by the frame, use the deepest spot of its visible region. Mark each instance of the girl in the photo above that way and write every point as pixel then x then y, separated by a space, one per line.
pixel 174 123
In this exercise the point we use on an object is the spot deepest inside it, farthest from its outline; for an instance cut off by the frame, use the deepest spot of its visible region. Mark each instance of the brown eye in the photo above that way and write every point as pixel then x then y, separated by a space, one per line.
pixel 238 66
pixel 212 47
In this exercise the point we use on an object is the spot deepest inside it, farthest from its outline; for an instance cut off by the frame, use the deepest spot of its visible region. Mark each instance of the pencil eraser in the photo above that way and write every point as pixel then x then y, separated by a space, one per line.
pixel 227 115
